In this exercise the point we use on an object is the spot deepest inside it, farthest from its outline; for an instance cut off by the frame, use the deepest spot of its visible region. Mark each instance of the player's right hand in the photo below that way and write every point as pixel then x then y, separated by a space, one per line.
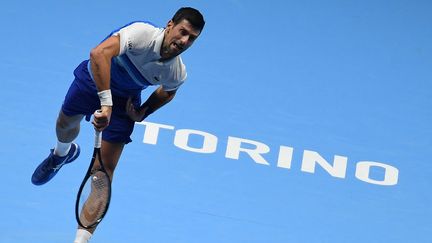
pixel 101 118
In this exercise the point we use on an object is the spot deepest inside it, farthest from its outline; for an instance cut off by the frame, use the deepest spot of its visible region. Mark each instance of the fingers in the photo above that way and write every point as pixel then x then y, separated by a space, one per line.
pixel 131 111
pixel 100 123
pixel 101 118
pixel 130 108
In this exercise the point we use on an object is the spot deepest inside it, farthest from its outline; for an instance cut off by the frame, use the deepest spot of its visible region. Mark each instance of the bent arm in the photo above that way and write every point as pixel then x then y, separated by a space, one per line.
pixel 100 59
pixel 156 100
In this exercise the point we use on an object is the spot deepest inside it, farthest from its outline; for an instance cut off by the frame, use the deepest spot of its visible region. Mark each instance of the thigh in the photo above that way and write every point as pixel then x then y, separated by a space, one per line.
pixel 80 100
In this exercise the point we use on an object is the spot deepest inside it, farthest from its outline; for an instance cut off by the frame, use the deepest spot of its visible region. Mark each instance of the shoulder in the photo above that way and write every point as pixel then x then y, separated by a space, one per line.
pixel 138 28
pixel 137 36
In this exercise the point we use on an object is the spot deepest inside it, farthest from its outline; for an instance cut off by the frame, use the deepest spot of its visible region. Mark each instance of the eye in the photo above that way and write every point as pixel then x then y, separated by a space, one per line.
pixel 184 32
pixel 192 37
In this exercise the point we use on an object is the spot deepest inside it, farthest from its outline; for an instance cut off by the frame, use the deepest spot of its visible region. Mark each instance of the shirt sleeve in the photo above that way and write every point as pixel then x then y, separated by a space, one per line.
pixel 172 87
pixel 135 36
pixel 180 76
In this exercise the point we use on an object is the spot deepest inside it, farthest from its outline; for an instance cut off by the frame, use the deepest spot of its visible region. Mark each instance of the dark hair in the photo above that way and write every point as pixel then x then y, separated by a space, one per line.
pixel 192 15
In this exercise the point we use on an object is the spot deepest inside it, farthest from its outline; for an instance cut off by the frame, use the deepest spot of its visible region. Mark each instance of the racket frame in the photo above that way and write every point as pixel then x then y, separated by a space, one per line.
pixel 96 154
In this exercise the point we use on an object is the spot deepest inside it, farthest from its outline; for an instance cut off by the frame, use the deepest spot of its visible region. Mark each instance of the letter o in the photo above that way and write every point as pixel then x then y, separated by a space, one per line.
pixel 209 141
pixel 390 176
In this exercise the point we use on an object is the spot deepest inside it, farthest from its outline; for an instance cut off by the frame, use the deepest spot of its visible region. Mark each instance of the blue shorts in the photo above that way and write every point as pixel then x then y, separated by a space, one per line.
pixel 82 99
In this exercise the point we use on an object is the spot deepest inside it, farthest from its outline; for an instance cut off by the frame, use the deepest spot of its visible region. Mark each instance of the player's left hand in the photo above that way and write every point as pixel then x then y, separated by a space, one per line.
pixel 133 113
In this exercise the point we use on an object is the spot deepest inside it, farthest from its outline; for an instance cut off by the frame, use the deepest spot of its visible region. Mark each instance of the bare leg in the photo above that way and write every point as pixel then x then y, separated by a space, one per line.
pixel 67 127
pixel 111 155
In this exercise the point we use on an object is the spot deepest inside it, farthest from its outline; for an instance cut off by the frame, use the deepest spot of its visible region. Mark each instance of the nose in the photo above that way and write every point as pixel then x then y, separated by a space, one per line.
pixel 184 39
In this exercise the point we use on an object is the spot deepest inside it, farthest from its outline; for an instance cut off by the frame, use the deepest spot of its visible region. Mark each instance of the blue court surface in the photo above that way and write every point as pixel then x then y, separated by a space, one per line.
pixel 300 122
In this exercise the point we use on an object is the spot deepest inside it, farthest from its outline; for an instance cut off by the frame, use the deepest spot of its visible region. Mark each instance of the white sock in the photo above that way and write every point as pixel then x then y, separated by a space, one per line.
pixel 82 236
pixel 62 149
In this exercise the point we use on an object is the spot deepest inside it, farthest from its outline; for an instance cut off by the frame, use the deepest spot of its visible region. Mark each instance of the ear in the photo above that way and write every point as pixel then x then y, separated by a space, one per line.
pixel 170 24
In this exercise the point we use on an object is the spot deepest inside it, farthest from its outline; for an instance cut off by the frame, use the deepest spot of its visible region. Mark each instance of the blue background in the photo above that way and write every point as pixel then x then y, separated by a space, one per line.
pixel 349 78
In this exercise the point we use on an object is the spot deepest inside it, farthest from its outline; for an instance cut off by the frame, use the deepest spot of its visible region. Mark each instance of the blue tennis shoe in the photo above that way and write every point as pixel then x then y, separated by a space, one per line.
pixel 51 165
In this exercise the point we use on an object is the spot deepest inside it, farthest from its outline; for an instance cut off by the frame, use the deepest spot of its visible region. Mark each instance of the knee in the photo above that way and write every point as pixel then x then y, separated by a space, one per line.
pixel 109 169
pixel 65 123
pixel 110 155
pixel 62 123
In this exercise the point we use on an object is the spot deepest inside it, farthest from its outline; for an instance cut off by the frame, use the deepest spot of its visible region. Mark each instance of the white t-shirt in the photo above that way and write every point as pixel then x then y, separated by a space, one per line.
pixel 137 66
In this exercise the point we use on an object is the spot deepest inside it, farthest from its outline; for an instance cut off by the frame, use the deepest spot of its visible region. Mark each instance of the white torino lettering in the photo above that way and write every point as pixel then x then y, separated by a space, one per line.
pixel 390 176
pixel 234 148
pixel 151 131
pixel 255 150
pixel 285 157
pixel 209 141
pixel 311 158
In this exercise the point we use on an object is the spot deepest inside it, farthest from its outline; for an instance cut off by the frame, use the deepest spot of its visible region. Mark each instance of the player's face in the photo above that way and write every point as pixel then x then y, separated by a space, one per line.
pixel 178 38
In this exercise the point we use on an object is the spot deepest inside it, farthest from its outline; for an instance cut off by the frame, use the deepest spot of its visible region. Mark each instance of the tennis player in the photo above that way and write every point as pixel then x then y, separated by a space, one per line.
pixel 129 60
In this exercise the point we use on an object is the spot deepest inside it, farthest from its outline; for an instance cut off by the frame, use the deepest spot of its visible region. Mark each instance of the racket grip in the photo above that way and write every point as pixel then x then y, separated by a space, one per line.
pixel 98 139
pixel 98 135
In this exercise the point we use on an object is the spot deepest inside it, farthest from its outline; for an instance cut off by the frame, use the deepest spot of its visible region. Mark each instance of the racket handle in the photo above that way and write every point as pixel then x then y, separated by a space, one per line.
pixel 98 135
pixel 98 139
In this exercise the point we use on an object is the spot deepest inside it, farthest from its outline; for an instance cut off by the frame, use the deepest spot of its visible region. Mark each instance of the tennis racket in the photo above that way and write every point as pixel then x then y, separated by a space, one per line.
pixel 94 193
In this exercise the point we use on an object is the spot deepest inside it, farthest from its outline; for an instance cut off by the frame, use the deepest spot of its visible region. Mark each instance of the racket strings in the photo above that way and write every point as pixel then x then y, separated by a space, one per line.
pixel 95 199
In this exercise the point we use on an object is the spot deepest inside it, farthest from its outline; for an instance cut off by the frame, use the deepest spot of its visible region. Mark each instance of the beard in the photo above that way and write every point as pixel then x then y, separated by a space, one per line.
pixel 171 50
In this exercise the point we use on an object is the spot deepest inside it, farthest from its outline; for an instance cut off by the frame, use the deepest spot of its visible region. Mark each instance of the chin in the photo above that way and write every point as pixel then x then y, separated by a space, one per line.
pixel 174 54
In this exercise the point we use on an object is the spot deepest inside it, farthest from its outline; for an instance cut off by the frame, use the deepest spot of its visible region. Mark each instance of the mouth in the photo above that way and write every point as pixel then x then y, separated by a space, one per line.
pixel 177 46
